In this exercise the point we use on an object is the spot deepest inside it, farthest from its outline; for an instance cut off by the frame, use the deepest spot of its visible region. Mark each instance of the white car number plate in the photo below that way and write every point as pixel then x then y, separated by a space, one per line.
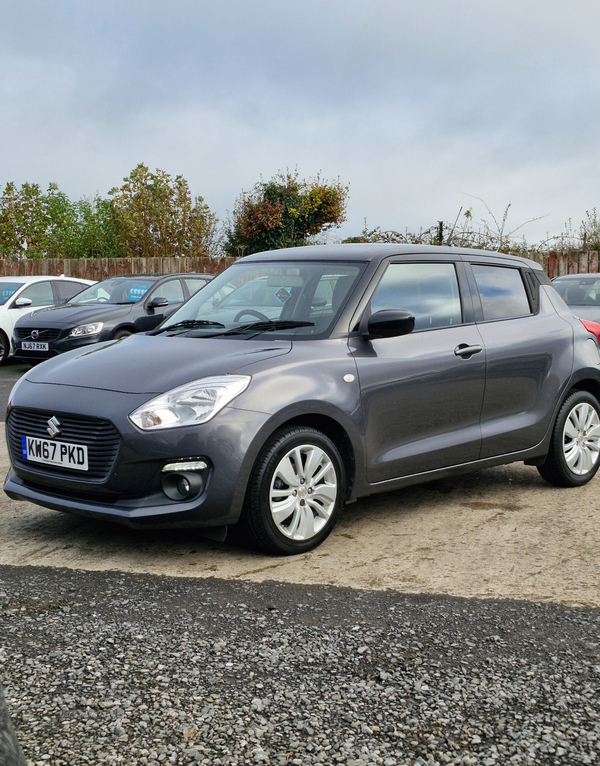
pixel 30 345
pixel 61 454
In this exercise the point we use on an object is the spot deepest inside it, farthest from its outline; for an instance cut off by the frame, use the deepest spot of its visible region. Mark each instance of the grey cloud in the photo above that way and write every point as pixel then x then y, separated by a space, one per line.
pixel 485 97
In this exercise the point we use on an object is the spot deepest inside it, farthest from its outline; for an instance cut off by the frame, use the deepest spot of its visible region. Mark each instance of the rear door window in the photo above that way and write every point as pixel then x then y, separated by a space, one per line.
pixel 502 292
pixel 428 290
pixel 193 285
pixel 67 289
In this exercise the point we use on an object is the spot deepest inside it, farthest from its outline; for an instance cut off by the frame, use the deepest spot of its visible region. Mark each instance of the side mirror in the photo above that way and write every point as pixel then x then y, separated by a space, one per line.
pixel 158 303
pixel 390 323
pixel 22 303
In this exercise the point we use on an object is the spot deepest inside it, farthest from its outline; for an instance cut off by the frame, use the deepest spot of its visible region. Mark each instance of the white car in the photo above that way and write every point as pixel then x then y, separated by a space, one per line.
pixel 19 295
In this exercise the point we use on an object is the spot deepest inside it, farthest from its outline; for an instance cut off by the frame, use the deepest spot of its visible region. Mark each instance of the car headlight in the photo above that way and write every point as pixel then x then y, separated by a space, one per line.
pixel 86 329
pixel 188 405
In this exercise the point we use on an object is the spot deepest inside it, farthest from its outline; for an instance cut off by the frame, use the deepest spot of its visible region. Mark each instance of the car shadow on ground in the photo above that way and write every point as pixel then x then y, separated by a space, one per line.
pixel 497 488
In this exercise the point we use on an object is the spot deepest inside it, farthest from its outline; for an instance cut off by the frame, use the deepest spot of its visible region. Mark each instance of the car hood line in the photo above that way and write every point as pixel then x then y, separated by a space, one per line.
pixel 148 365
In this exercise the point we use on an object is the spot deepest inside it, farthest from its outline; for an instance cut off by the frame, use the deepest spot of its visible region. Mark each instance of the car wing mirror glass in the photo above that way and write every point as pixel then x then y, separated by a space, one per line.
pixel 22 303
pixel 389 323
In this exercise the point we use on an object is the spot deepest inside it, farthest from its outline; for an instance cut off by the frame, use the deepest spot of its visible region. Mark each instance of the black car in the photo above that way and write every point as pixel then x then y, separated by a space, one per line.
pixel 341 371
pixel 111 309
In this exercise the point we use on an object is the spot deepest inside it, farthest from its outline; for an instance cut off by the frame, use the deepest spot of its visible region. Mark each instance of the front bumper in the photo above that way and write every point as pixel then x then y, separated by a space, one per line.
pixel 55 347
pixel 132 493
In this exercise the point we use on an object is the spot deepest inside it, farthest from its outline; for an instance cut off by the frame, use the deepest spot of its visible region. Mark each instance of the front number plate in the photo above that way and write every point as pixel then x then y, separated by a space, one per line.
pixel 61 454
pixel 29 345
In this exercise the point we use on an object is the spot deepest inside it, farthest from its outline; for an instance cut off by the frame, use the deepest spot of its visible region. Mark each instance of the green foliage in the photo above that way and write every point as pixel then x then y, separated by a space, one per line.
pixel 487 234
pixel 284 212
pixel 155 215
pixel 586 237
pixel 38 225
pixel 150 214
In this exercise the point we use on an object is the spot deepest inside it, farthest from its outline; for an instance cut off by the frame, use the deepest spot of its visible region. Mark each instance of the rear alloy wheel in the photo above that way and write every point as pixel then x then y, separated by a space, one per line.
pixel 574 455
pixel 295 492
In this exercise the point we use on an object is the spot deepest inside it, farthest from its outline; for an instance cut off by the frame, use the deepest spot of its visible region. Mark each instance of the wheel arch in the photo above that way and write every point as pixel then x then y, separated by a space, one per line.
pixel 338 435
pixel 586 384
pixel 126 326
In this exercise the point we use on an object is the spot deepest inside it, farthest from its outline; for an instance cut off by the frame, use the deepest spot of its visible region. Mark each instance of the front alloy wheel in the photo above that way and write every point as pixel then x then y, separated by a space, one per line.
pixel 295 492
pixel 303 492
pixel 574 455
pixel 4 347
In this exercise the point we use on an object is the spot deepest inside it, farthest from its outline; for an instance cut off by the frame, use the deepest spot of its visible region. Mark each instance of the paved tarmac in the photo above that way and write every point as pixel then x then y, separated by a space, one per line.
pixel 188 652
pixel 10 372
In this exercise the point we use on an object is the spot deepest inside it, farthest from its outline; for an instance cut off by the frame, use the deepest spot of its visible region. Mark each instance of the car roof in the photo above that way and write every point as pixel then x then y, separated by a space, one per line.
pixel 588 275
pixel 40 278
pixel 377 252
pixel 156 277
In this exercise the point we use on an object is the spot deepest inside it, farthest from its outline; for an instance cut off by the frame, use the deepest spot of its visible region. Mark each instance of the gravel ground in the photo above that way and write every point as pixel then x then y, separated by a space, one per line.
pixel 107 667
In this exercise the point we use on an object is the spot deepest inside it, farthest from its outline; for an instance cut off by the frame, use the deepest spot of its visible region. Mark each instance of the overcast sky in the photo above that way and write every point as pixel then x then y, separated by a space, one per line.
pixel 414 103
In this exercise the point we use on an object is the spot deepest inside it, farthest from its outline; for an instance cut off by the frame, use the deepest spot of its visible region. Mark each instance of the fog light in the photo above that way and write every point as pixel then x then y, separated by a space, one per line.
pixel 182 486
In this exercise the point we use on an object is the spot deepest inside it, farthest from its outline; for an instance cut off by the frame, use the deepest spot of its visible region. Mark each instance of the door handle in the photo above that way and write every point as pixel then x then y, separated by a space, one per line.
pixel 465 351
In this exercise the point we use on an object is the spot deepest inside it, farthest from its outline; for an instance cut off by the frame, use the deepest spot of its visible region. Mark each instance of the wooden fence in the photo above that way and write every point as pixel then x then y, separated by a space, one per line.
pixel 101 268
pixel 558 264
pixel 555 264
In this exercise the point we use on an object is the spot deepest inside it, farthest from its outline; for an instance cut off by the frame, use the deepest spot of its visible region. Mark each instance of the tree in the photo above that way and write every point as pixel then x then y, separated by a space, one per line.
pixel 37 225
pixel 156 216
pixel 23 221
pixel 284 212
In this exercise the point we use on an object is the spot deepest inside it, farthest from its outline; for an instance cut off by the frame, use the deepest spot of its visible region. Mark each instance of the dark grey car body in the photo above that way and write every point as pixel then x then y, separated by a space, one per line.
pixel 401 410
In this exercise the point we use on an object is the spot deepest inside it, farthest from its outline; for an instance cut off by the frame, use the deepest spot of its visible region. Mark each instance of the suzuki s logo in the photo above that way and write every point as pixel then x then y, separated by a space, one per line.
pixel 53 426
pixel 35 334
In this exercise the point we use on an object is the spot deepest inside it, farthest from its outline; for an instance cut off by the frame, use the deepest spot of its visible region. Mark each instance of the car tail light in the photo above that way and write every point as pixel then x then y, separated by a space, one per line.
pixel 592 327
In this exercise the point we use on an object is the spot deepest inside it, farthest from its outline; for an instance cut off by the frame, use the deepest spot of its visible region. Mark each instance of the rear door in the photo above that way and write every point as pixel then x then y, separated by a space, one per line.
pixel 422 393
pixel 529 356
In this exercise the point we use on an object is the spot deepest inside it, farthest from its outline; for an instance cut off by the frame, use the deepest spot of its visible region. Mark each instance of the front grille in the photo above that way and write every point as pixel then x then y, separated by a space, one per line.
pixel 49 333
pixel 100 437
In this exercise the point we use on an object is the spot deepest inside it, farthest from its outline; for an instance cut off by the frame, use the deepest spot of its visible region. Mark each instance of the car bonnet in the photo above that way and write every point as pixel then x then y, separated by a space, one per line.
pixel 142 364
pixel 69 316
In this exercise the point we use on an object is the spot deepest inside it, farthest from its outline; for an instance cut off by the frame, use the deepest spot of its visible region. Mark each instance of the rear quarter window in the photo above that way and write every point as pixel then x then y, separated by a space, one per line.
pixel 501 291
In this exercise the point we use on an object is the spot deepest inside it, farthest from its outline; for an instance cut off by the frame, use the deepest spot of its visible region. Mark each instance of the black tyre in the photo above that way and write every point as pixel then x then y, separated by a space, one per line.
pixel 295 493
pixel 574 455
pixel 4 347
pixel 121 334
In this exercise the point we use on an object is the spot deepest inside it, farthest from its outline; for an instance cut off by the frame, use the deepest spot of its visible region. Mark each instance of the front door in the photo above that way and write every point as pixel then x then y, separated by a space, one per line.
pixel 421 393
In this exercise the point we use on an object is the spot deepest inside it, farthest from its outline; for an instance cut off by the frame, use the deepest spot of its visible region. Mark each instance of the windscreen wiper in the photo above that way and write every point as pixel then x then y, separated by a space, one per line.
pixel 186 324
pixel 271 324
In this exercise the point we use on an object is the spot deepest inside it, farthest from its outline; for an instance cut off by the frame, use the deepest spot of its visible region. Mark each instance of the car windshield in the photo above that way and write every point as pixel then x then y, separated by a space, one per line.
pixel 116 290
pixel 579 292
pixel 290 298
pixel 7 289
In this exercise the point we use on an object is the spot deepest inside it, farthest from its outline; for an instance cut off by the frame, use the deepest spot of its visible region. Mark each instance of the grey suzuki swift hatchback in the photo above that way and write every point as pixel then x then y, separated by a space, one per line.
pixel 301 379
